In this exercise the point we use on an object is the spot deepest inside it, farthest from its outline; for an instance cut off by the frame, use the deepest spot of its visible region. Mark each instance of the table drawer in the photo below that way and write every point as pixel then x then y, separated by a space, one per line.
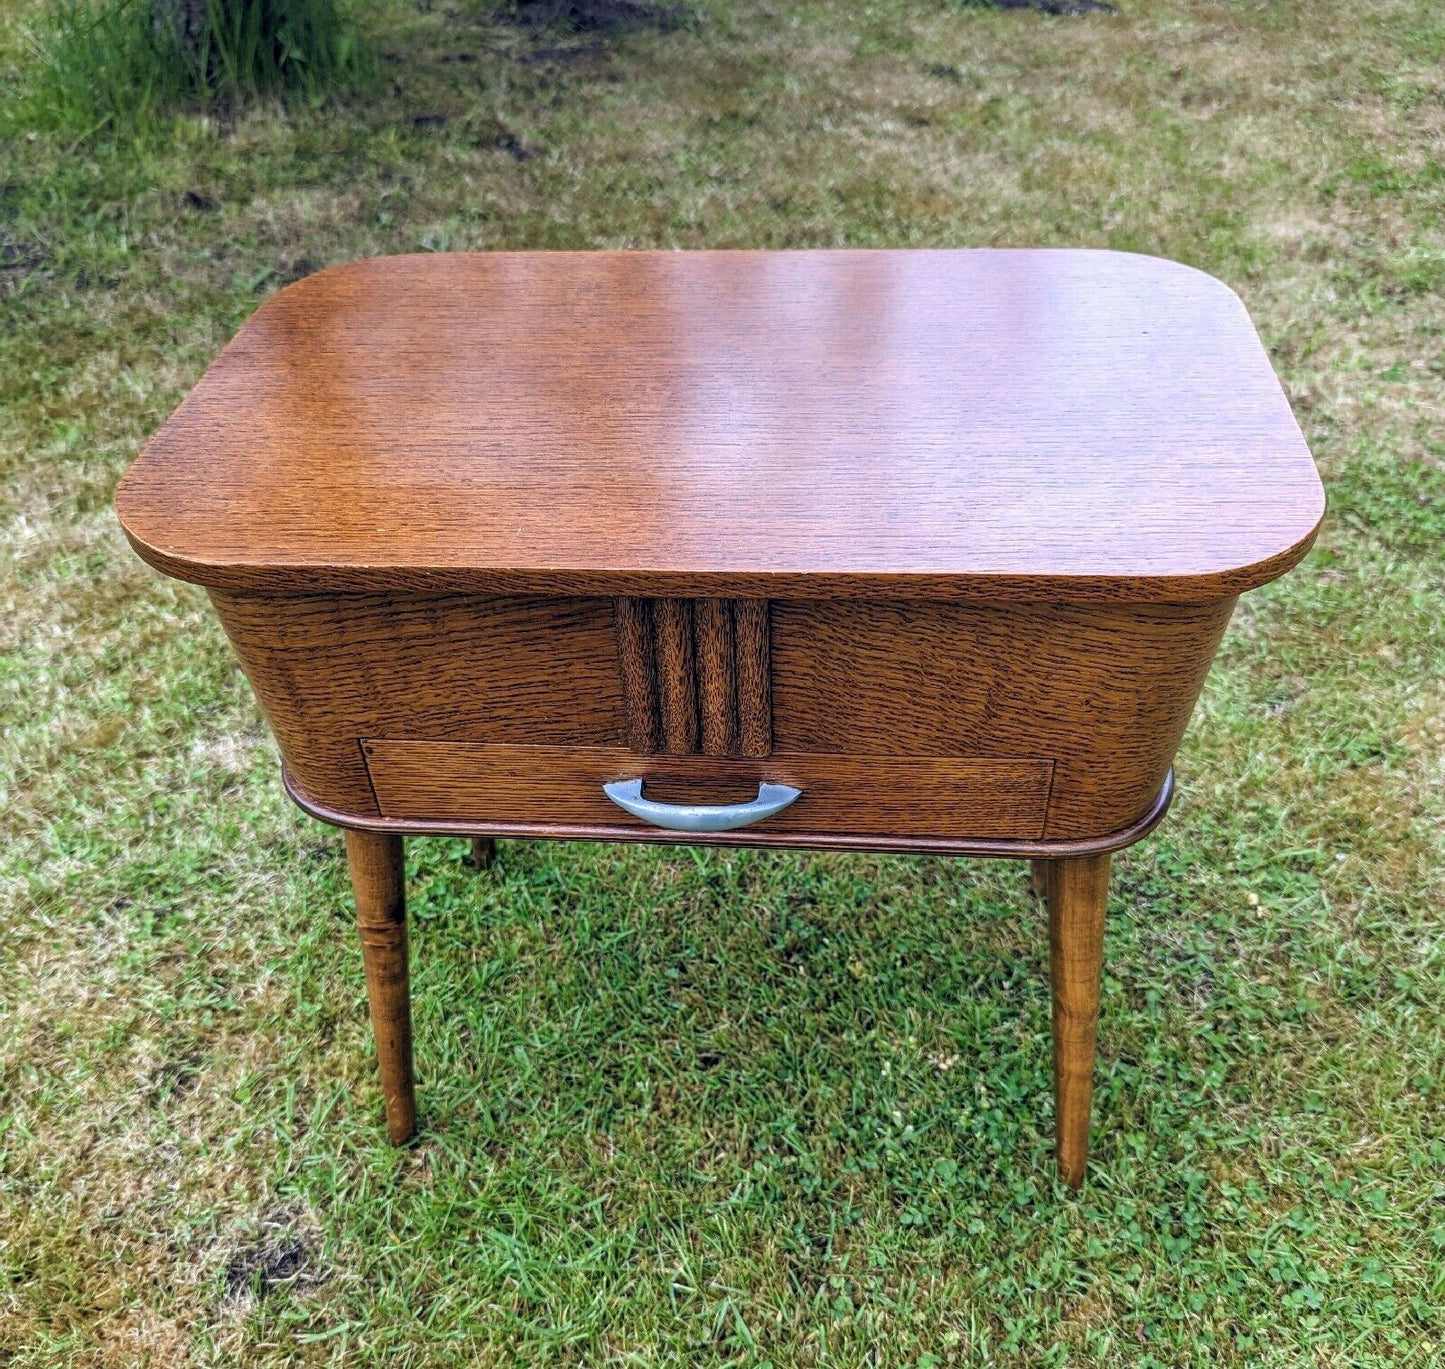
pixel 974 796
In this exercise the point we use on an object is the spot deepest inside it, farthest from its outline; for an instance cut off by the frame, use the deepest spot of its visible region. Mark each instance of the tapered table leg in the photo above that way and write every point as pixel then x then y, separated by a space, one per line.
pixel 1078 892
pixel 1039 877
pixel 378 880
pixel 484 852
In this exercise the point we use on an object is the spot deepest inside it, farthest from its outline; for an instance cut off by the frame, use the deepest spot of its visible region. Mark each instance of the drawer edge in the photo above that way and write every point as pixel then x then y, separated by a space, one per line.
pixel 998 797
pixel 1046 848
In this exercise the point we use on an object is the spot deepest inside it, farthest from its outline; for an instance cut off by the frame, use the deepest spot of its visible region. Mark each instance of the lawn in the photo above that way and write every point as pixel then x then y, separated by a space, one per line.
pixel 704 1108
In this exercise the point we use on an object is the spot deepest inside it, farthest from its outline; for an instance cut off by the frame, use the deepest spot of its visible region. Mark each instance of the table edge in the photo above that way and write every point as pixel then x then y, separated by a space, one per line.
pixel 331 578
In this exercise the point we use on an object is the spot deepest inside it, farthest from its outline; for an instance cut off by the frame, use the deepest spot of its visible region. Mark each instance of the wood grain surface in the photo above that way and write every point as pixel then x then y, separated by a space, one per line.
pixel 1078 891
pixel 1006 848
pixel 675 660
pixel 717 683
pixel 712 656
pixel 635 660
pixel 918 796
pixel 1102 691
pixel 881 424
pixel 378 879
pixel 1105 692
pixel 752 621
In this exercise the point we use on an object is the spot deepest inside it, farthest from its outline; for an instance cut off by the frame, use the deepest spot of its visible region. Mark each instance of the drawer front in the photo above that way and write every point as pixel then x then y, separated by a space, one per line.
pixel 926 796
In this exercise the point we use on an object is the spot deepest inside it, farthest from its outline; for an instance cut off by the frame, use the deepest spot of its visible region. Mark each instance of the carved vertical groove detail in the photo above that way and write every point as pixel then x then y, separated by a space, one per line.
pixel 639 675
pixel 676 688
pixel 696 676
pixel 717 694
pixel 753 632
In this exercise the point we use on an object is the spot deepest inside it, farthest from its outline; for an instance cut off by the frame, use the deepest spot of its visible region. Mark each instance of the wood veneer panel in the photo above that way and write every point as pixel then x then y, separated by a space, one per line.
pixel 892 796
pixel 1044 425
pixel 329 670
pixel 1106 691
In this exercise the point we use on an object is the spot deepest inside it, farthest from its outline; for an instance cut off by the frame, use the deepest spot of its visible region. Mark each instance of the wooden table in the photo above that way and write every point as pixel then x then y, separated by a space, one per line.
pixel 921 551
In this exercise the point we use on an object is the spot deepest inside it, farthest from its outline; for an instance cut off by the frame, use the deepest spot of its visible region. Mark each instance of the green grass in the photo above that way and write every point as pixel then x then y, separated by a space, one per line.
pixel 704 1108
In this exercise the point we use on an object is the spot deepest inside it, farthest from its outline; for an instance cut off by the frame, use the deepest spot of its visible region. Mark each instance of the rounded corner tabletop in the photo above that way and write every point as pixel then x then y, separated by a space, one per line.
pixel 922 550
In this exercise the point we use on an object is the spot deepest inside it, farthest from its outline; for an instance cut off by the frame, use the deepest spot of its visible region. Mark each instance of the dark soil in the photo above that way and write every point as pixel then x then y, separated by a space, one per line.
pixel 280 1257
pixel 596 16
pixel 18 261
pixel 1065 7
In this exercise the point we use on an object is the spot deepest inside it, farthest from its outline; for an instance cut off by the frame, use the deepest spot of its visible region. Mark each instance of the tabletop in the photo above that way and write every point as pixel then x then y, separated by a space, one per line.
pixel 1063 424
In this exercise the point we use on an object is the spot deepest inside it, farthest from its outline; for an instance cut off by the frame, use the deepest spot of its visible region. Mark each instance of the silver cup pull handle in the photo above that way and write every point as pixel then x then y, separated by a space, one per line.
pixel 700 817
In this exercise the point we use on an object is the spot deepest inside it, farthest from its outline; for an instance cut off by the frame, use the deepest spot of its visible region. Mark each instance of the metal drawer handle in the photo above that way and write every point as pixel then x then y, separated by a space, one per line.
pixel 700 817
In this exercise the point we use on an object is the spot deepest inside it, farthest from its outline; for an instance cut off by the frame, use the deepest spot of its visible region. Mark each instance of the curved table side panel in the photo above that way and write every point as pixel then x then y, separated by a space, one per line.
pixel 1102 694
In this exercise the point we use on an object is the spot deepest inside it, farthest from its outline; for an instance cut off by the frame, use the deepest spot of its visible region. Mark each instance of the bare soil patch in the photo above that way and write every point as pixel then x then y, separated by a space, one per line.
pixel 1069 8
pixel 280 1257
pixel 606 17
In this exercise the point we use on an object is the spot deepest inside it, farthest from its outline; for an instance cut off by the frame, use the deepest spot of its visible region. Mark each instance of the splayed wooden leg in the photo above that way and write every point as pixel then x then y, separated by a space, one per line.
pixel 484 852
pixel 1078 893
pixel 378 880
pixel 1039 878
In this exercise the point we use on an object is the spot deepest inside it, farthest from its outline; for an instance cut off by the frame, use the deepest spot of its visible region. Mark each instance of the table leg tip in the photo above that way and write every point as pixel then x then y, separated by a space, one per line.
pixel 483 853
pixel 401 1134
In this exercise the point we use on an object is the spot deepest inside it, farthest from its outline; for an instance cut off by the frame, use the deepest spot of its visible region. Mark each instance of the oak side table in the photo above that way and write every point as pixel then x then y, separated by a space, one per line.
pixel 919 551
